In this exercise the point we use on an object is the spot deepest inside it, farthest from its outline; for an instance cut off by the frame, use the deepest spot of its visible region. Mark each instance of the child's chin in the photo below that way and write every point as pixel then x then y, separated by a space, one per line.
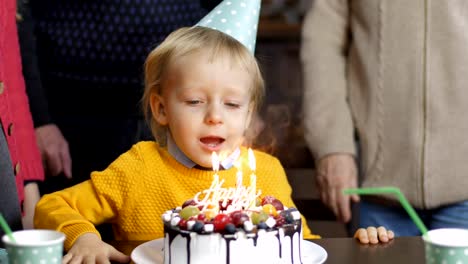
pixel 203 164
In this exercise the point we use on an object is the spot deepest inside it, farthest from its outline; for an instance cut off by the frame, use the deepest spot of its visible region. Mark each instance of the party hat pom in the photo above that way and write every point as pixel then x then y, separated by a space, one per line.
pixel 237 18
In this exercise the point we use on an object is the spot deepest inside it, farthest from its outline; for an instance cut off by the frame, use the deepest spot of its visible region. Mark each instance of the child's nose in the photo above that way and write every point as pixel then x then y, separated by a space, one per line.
pixel 214 114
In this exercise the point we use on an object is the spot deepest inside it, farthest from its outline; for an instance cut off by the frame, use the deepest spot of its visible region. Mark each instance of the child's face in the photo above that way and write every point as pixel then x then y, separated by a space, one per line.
pixel 206 105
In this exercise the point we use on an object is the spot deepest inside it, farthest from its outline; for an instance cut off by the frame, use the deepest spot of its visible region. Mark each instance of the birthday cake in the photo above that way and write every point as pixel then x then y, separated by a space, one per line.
pixel 232 225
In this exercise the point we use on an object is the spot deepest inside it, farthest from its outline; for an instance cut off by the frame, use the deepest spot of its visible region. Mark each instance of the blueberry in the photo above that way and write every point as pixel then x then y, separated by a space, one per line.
pixel 289 218
pixel 262 225
pixel 198 227
pixel 230 228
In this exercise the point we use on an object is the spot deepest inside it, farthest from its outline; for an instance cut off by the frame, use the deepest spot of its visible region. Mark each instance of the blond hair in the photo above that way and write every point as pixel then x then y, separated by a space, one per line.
pixel 185 41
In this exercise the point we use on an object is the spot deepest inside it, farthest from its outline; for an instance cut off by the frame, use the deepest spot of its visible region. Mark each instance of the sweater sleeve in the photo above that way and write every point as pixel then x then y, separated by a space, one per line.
pixel 78 209
pixel 325 41
pixel 29 158
pixel 73 211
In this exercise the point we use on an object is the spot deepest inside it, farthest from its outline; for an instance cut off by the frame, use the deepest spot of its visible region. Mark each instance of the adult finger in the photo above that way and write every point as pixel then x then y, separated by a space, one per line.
pixel 54 162
pixel 332 202
pixel 325 193
pixel 354 197
pixel 321 187
pixel 66 161
pixel 344 207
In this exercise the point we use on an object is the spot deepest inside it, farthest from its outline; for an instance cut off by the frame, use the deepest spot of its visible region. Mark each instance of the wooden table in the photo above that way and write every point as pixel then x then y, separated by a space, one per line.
pixel 347 250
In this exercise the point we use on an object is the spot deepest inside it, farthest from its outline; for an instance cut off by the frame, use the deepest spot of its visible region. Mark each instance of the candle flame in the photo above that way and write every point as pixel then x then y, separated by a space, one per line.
pixel 238 165
pixel 252 164
pixel 232 198
pixel 215 161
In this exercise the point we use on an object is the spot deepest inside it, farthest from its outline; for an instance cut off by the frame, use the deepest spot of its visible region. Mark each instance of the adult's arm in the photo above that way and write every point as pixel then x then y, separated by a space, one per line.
pixel 325 41
pixel 329 129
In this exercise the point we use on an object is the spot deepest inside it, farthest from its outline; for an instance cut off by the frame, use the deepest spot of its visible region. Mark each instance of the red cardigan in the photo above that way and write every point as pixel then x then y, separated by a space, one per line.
pixel 14 108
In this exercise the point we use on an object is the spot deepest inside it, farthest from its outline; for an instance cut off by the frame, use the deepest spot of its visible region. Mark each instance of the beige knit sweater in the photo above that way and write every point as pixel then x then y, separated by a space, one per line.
pixel 396 72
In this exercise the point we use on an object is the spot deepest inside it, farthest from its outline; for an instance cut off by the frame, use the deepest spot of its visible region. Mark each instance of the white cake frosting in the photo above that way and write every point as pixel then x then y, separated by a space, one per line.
pixel 232 226
pixel 271 245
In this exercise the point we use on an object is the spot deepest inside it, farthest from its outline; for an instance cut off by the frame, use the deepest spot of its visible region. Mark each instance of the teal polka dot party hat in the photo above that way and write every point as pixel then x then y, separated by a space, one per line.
pixel 237 18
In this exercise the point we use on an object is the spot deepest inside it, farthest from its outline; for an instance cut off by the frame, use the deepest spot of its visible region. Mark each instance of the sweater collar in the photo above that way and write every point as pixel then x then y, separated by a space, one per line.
pixel 180 156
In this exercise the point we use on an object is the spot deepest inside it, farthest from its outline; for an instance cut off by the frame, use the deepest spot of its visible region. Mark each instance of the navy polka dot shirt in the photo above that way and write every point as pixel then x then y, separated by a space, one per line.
pixel 105 42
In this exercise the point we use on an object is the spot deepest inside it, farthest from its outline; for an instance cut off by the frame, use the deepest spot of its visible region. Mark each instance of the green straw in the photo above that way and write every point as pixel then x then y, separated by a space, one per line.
pixel 395 191
pixel 6 228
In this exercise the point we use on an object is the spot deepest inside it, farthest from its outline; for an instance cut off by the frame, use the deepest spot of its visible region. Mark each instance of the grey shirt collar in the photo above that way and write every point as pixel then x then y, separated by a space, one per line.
pixel 178 155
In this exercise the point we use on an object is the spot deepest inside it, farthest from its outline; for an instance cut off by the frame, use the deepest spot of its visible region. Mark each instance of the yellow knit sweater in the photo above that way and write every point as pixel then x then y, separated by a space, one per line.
pixel 138 187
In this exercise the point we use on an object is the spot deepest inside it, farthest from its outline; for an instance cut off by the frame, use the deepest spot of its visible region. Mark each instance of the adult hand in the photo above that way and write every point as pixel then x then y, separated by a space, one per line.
pixel 54 150
pixel 89 248
pixel 336 172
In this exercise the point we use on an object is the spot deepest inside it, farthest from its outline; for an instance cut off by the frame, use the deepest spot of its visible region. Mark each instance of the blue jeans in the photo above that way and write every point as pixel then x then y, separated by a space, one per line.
pixel 396 218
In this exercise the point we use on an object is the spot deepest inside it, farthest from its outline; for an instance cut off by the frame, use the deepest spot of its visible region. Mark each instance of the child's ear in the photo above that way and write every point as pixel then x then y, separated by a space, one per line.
pixel 157 109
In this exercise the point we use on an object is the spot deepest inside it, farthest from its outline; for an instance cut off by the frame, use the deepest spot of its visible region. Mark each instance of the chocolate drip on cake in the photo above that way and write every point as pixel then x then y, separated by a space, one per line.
pixel 299 229
pixel 288 230
pixel 259 226
pixel 228 249
pixel 188 249
pixel 280 245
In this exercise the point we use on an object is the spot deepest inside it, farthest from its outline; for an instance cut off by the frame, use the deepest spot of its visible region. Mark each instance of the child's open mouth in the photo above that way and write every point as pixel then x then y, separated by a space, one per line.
pixel 213 143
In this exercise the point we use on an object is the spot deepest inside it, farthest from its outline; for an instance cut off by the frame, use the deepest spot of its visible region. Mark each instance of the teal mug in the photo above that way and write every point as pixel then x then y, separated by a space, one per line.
pixel 3 256
pixel 35 246
pixel 446 245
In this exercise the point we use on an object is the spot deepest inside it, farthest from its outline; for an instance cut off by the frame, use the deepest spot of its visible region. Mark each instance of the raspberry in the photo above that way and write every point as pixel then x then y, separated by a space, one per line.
pixel 201 217
pixel 183 224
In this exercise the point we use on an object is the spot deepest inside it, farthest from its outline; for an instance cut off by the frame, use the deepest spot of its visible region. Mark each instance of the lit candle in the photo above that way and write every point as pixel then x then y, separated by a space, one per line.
pixel 215 162
pixel 253 177
pixel 239 173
